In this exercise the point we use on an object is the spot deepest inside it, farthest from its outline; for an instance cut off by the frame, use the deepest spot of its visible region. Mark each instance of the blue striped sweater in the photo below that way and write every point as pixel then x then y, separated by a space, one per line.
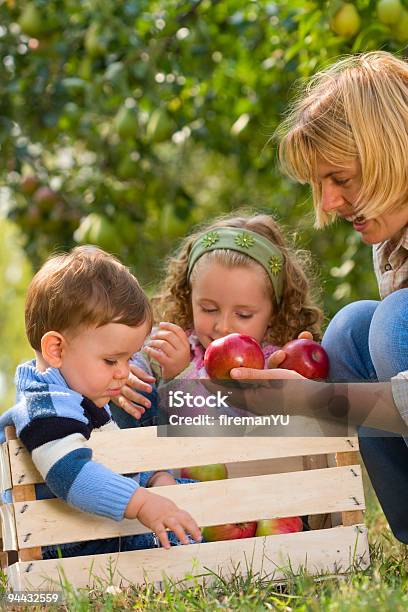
pixel 54 422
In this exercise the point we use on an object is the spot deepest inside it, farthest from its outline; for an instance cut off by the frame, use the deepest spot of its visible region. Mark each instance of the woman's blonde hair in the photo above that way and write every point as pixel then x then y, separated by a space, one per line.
pixel 297 311
pixel 357 109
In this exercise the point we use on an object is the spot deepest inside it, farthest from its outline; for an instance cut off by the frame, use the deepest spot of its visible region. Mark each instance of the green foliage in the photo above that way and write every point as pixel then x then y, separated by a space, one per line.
pixel 15 273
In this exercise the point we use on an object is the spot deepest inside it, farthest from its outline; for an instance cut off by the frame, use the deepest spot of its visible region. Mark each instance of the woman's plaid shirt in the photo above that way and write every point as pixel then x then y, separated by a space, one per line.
pixel 391 264
pixel 391 270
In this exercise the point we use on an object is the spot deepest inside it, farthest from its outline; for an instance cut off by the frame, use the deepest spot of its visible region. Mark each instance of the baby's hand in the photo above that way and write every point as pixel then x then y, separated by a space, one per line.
pixel 161 479
pixel 132 402
pixel 170 347
pixel 159 514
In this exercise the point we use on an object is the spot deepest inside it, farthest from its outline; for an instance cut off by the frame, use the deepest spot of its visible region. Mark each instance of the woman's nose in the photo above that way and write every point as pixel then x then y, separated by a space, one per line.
pixel 332 197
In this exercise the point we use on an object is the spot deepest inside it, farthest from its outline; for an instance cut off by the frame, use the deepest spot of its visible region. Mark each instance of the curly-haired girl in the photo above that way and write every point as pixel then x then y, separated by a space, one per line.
pixel 236 274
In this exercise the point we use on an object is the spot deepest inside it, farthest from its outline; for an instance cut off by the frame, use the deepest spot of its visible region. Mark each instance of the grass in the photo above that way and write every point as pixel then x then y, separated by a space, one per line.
pixel 384 586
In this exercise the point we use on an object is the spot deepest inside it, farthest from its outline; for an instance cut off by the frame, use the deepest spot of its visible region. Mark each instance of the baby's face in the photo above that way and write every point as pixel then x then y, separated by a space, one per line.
pixel 95 362
pixel 230 300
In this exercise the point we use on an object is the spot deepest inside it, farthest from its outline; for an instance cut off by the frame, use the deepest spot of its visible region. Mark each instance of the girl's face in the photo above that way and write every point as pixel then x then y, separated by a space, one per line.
pixel 340 188
pixel 230 300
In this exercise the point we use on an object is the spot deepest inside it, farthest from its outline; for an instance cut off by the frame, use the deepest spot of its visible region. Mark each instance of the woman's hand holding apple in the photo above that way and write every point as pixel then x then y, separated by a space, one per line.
pixel 170 347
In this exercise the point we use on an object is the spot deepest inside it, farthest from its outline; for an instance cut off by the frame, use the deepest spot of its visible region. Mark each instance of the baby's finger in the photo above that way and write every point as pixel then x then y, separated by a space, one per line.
pixel 192 528
pixel 133 382
pixel 178 530
pixel 134 411
pixel 137 371
pixel 135 397
pixel 163 537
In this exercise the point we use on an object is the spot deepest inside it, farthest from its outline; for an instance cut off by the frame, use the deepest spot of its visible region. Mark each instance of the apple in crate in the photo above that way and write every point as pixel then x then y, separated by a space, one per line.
pixel 229 531
pixel 306 357
pixel 274 526
pixel 214 471
pixel 232 351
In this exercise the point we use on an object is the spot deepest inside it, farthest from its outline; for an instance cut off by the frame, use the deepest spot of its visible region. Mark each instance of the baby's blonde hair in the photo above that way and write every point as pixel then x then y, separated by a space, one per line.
pixel 297 311
pixel 355 110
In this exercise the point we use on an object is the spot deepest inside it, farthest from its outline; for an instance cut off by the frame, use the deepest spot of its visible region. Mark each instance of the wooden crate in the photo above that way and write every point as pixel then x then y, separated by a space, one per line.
pixel 270 477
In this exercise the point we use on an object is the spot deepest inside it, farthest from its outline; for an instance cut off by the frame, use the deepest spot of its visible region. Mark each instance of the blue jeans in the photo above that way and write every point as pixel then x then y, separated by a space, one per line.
pixel 368 341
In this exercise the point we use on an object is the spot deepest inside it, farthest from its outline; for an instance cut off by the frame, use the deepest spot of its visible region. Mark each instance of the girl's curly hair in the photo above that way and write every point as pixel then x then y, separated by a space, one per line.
pixel 298 310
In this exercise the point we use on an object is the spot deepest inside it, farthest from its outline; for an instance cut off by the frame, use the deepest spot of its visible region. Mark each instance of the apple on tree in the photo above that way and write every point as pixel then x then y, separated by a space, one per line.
pixel 389 11
pixel 232 351
pixel 306 357
pixel 126 122
pixel 229 531
pixel 32 21
pixel 204 473
pixel 29 184
pixel 274 526
pixel 346 21
pixel 160 126
pixel 45 197
pixel 400 28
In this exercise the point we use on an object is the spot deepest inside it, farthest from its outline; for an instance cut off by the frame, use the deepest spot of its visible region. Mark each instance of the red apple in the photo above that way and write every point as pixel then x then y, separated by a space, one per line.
pixel 306 357
pixel 274 526
pixel 230 531
pixel 214 471
pixel 232 351
pixel 45 198
pixel 29 184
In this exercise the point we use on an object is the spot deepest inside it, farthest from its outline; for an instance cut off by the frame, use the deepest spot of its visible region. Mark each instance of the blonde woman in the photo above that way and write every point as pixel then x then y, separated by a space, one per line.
pixel 347 136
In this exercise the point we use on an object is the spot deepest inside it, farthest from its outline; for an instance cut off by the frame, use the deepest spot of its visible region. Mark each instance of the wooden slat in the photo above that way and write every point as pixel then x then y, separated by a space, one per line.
pixel 8 527
pixel 23 493
pixel 130 450
pixel 237 500
pixel 5 475
pixel 336 518
pixel 264 466
pixel 354 516
pixel 333 550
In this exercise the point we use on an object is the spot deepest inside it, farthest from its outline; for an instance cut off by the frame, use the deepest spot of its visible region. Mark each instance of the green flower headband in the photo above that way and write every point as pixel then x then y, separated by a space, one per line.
pixel 244 241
